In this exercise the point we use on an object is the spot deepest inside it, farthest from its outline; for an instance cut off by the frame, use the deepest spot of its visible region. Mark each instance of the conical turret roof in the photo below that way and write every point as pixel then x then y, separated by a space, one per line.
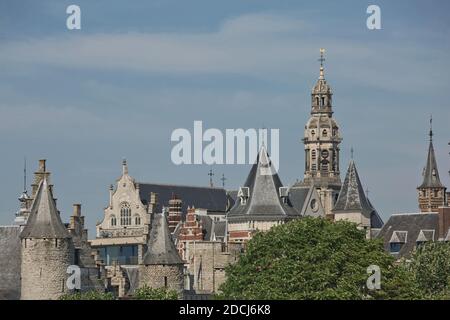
pixel 430 173
pixel 263 198
pixel 161 249
pixel 44 220
pixel 353 199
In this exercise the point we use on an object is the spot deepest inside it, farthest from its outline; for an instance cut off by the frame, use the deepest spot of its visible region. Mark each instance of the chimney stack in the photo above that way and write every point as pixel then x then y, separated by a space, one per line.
pixel 42 165
pixel 77 210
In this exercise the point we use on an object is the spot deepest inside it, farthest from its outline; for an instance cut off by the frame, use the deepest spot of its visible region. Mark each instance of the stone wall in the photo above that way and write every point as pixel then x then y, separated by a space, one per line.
pixel 206 264
pixel 44 267
pixel 161 276
pixel 9 263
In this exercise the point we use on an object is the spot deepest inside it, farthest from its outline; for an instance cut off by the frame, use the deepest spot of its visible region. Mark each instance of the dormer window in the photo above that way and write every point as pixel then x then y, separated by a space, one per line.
pixel 398 239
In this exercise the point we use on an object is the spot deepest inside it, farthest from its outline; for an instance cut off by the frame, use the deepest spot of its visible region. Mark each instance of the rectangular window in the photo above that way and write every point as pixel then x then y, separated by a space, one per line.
pixel 395 247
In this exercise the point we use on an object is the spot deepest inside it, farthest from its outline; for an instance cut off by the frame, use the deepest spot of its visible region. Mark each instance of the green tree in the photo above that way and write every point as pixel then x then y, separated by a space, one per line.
pixel 88 295
pixel 315 258
pixel 430 266
pixel 147 293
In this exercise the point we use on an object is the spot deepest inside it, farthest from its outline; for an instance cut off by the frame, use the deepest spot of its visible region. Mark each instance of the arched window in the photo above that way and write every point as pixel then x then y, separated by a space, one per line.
pixel 323 101
pixel 313 155
pixel 113 221
pixel 324 132
pixel 125 214
pixel 137 220
pixel 317 100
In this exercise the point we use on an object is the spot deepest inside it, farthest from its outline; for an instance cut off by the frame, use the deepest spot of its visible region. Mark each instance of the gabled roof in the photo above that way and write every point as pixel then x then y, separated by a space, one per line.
pixel 353 199
pixel 212 199
pixel 414 224
pixel 161 249
pixel 44 220
pixel 430 173
pixel 306 200
pixel 263 199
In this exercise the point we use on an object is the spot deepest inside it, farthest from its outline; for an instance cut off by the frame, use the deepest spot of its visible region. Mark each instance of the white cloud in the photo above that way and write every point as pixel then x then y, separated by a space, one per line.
pixel 262 45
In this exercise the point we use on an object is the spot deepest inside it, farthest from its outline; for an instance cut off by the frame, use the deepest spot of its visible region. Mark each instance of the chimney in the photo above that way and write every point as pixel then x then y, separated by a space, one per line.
pixel 153 202
pixel 174 217
pixel 42 165
pixel 444 221
pixel 77 210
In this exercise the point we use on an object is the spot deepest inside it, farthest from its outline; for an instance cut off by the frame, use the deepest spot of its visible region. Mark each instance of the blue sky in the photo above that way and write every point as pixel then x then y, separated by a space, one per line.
pixel 118 87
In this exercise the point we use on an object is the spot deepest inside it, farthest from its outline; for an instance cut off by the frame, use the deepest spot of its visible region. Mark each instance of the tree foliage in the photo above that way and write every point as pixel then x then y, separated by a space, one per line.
pixel 147 293
pixel 430 267
pixel 88 295
pixel 315 258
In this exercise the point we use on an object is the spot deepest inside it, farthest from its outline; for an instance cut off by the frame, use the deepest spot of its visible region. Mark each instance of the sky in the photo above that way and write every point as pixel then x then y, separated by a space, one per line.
pixel 85 99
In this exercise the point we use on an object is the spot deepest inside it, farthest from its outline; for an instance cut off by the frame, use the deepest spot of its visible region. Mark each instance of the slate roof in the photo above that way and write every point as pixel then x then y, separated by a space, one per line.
pixel 353 199
pixel 409 228
pixel 212 199
pixel 264 202
pixel 161 248
pixel 10 262
pixel 430 173
pixel 44 220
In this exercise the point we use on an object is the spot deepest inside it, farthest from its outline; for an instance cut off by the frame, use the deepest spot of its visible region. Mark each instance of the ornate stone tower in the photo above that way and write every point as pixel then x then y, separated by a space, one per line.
pixel 321 140
pixel 431 191
pixel 47 248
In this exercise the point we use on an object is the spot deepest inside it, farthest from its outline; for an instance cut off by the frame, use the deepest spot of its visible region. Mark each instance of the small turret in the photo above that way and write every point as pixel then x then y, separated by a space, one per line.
pixel 47 248
pixel 162 266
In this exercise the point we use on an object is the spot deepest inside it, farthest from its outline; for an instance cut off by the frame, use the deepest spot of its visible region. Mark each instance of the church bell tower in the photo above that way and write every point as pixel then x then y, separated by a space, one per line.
pixel 321 140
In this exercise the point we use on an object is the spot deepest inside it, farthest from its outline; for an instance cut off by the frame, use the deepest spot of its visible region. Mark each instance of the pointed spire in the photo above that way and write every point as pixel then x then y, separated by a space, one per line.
pixel 44 220
pixel 352 196
pixel 430 172
pixel 261 192
pixel 161 249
